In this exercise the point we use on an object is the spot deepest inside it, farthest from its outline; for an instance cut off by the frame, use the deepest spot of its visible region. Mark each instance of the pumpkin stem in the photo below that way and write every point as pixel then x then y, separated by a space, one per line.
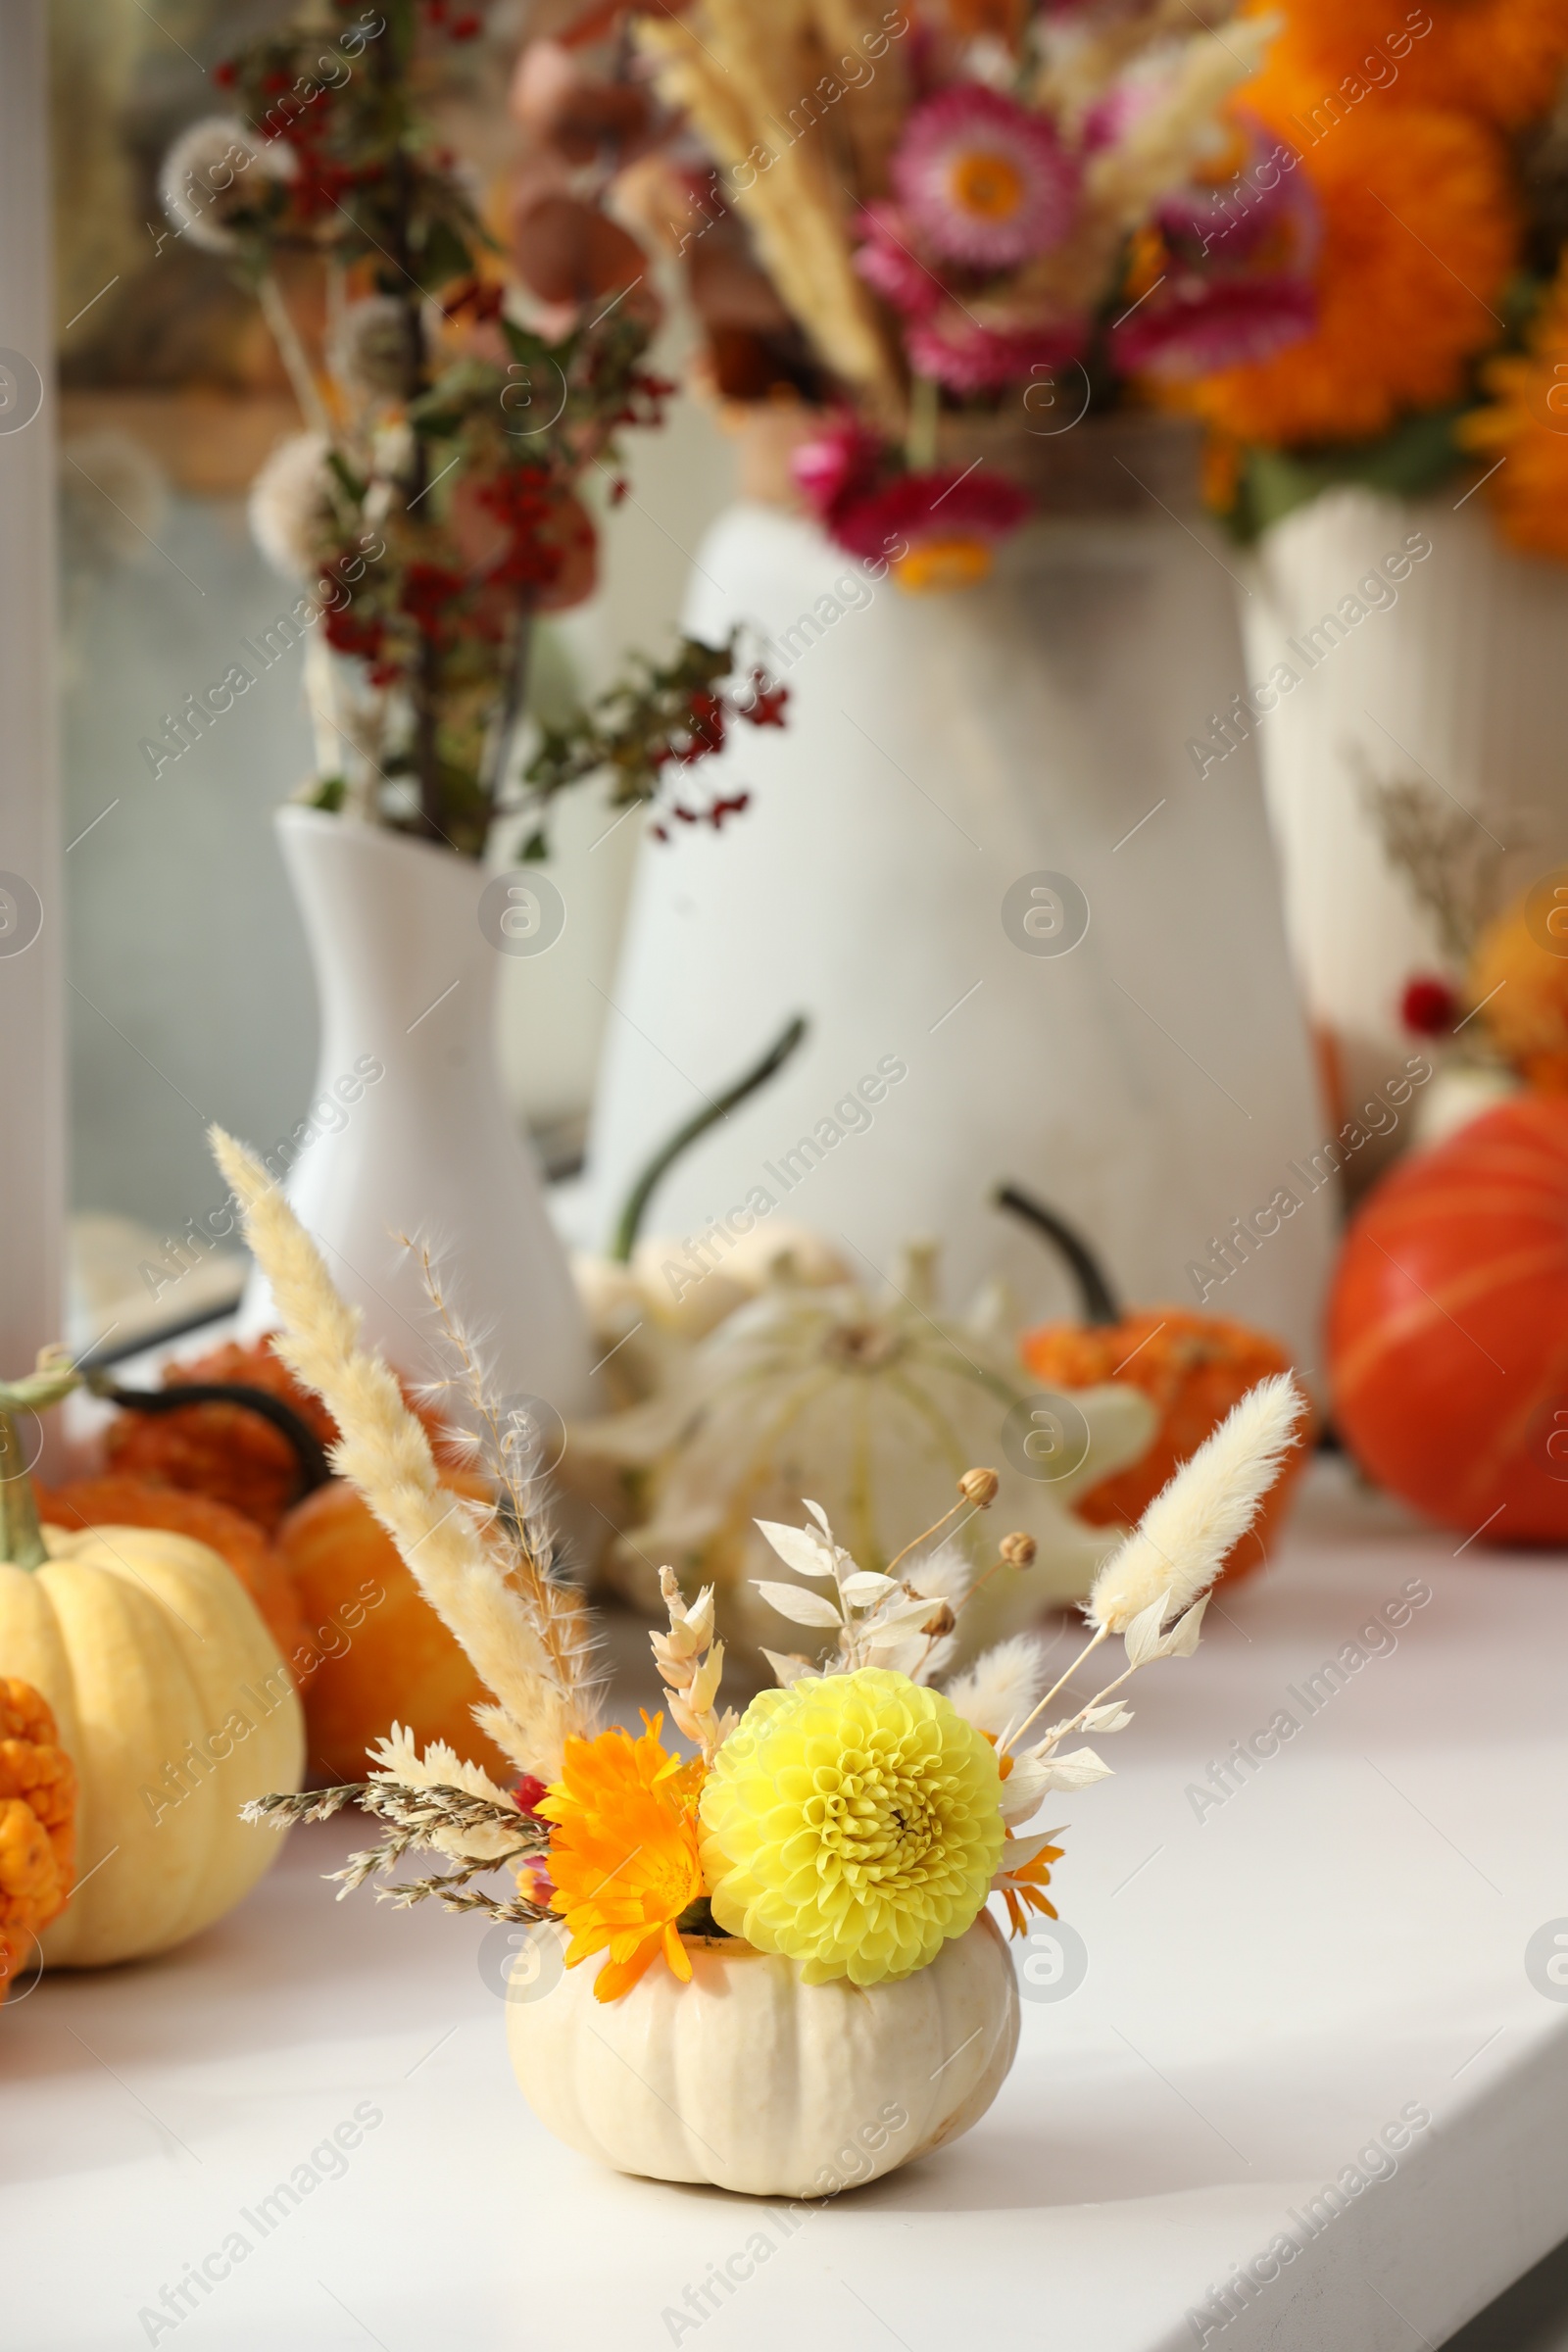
pixel 1095 1297
pixel 664 1159
pixel 22 1540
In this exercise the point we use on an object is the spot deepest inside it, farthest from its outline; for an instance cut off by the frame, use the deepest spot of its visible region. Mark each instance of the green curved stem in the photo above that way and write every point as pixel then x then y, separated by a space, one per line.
pixel 22 1540
pixel 1095 1297
pixel 309 1455
pixel 664 1159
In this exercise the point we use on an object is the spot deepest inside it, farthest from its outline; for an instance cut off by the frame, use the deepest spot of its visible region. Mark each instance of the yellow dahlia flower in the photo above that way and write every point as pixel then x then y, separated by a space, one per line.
pixel 852 1823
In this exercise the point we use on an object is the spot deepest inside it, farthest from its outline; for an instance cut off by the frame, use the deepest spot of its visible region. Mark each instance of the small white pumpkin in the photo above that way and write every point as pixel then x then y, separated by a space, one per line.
pixel 645 1314
pixel 873 1406
pixel 750 2080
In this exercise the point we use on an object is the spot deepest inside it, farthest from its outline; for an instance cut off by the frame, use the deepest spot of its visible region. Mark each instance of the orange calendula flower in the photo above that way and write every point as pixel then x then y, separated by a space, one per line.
pixel 1520 989
pixel 1525 422
pixel 1024 1889
pixel 937 565
pixel 624 1857
pixel 1498 58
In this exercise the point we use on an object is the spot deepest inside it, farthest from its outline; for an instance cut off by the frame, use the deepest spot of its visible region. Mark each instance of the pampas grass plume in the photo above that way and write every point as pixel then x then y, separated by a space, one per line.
pixel 1183 1539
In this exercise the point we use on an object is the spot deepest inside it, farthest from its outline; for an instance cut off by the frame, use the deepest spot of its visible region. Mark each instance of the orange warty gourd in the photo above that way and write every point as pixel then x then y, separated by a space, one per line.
pixel 125 1502
pixel 1192 1367
pixel 228 1452
pixel 1449 1327
pixel 385 1656
pixel 37 1823
pixel 223 1450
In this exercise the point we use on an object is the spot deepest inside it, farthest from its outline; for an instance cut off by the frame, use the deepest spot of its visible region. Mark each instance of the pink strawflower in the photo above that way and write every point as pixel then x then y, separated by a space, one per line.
pixel 986 181
pixel 843 458
pixel 917 507
pixel 967 357
pixel 1237 283
pixel 1194 325
pixel 1241 220
pixel 1113 116
pixel 890 265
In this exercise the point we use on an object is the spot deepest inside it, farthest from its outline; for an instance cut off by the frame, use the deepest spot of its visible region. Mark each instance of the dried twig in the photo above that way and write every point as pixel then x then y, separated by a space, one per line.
pixel 1450 863
pixel 418 1818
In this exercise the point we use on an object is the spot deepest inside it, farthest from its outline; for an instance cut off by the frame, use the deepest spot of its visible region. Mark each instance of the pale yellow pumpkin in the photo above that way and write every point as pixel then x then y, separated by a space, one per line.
pixel 173 1703
pixel 753 2080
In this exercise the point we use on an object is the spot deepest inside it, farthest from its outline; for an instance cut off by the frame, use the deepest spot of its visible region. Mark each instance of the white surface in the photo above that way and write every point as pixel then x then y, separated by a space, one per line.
pixel 1266 1990
pixel 411 1138
pixel 939 751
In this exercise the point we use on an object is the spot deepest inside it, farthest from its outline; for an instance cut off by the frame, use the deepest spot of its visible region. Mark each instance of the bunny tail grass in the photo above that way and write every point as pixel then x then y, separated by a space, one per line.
pixel 519 1630
pixel 1179 1543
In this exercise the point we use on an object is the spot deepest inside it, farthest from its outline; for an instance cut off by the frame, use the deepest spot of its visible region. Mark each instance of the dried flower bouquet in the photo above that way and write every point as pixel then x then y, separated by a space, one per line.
pixel 792 1919
pixel 433 509
pixel 980 210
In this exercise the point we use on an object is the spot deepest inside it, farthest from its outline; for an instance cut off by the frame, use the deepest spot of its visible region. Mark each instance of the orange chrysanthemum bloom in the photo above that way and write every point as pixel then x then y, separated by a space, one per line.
pixel 1498 58
pixel 624 1857
pixel 1526 422
pixel 1023 1891
pixel 1420 230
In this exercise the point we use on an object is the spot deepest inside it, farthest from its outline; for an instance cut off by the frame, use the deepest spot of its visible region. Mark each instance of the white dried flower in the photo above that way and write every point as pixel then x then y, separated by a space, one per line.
pixel 998 1689
pixel 945 1574
pixel 369 348
pixel 691 1664
pixel 215 170
pixel 1178 1546
pixel 396 1757
pixel 292 517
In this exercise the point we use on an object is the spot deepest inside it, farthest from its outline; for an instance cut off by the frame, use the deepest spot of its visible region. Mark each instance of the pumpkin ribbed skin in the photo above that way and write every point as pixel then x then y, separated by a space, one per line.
pixel 124 1502
pixel 383 1656
pixel 756 2082
pixel 150 1657
pixel 875 1407
pixel 1449 1327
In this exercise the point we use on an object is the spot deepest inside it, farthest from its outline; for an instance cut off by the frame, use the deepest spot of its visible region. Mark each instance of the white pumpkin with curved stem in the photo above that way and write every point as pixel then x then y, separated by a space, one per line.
pixel 753 2081
pixel 874 1405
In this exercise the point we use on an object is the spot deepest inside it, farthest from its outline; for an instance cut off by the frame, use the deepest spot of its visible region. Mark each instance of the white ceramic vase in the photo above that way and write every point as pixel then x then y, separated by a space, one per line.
pixel 945 757
pixel 1452 679
pixel 411 1136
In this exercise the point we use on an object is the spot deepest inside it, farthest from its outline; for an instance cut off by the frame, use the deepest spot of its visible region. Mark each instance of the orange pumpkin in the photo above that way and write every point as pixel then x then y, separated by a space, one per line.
pixel 384 1654
pixel 1449 1327
pixel 125 1502
pixel 1192 1367
pixel 37 1823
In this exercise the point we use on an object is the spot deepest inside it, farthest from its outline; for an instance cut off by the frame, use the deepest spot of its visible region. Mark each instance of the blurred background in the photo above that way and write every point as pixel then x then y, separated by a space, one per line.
pixel 172 398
